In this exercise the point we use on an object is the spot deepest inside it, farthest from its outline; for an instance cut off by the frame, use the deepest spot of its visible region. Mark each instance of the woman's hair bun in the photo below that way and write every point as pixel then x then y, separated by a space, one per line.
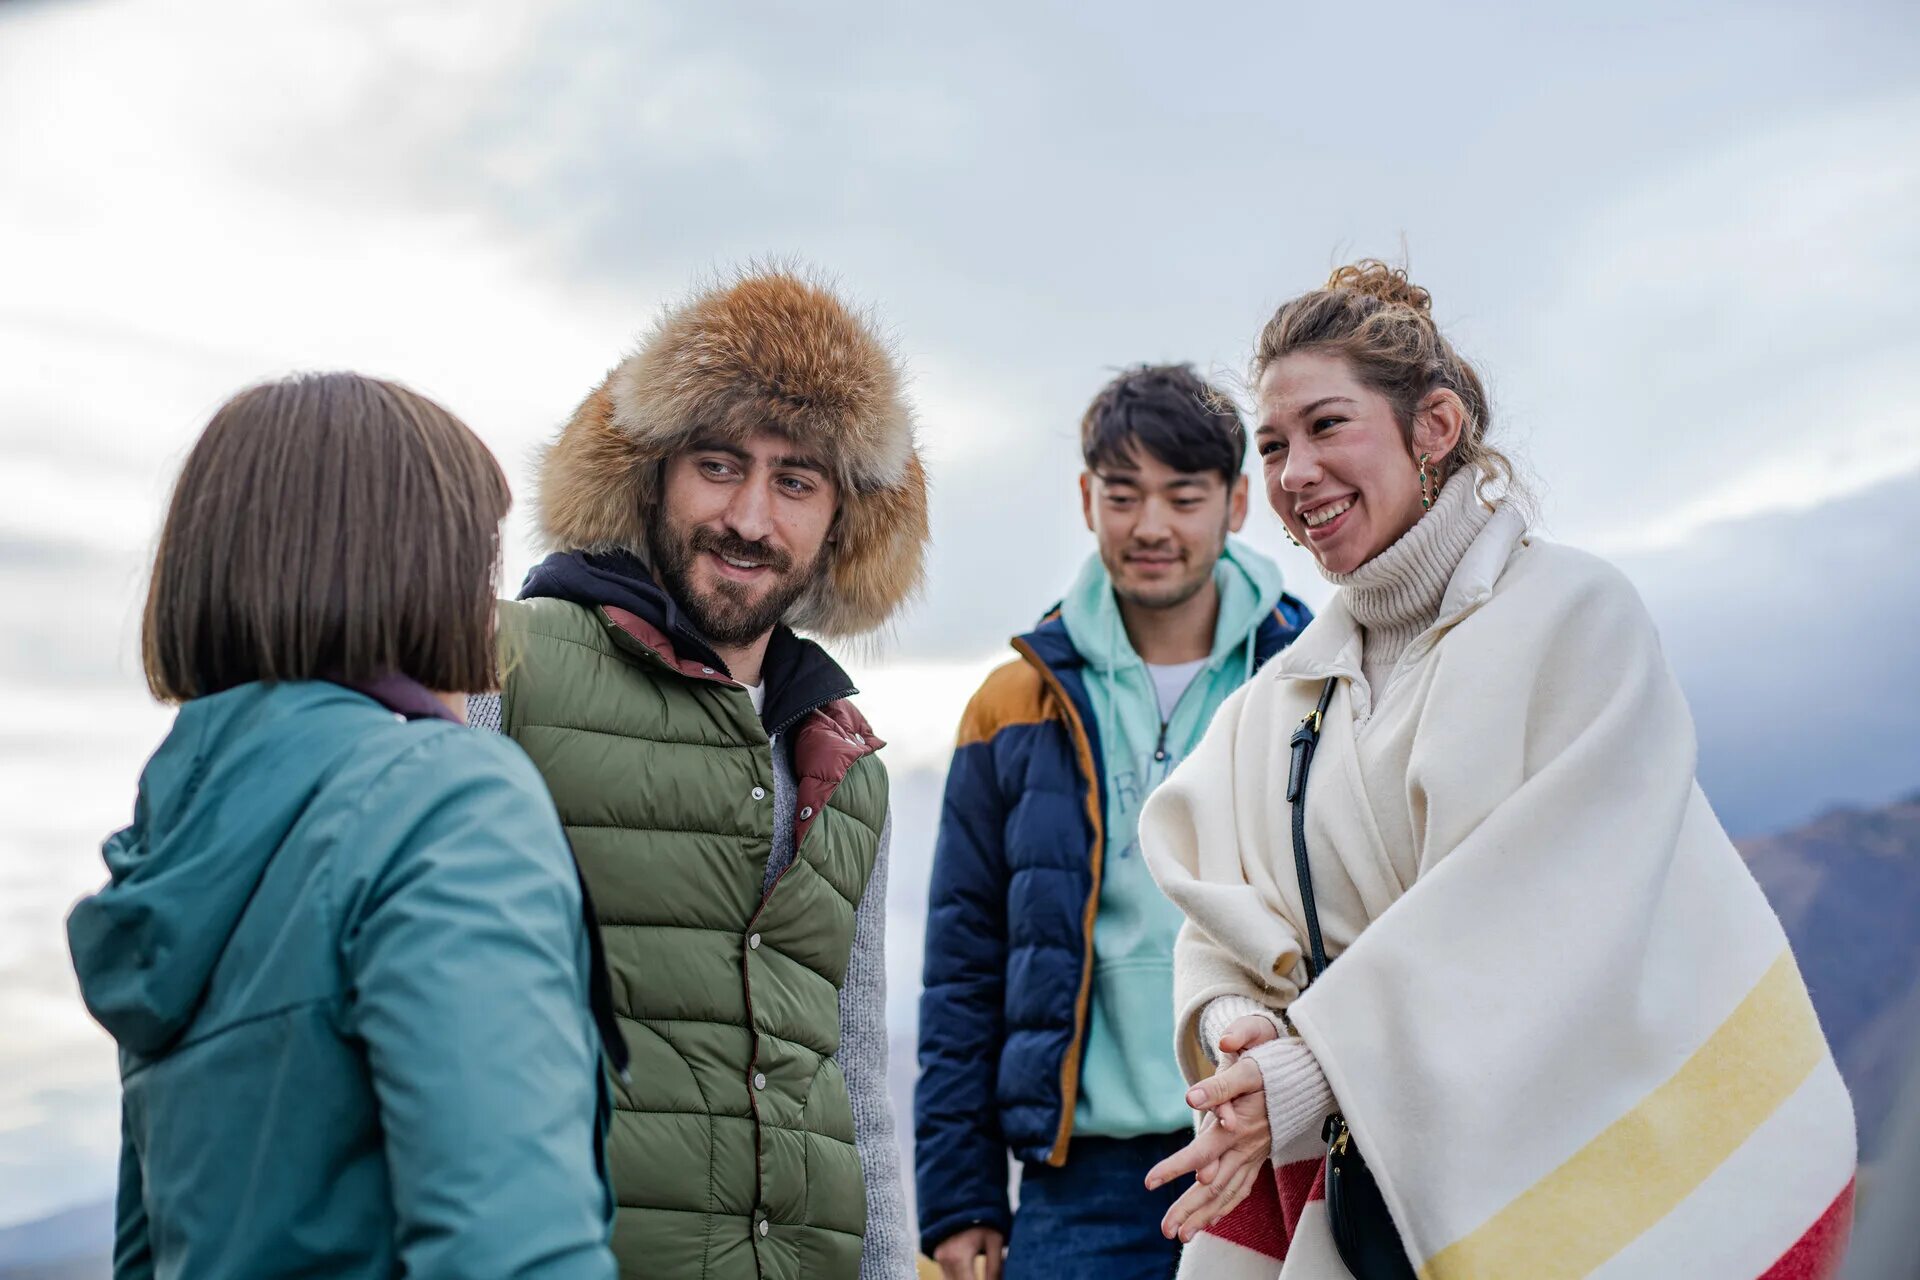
pixel 1373 278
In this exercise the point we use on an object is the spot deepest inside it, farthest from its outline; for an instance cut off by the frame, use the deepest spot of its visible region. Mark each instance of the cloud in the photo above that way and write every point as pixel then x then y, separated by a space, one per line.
pixel 176 252
pixel 1793 637
pixel 1733 338
pixel 67 759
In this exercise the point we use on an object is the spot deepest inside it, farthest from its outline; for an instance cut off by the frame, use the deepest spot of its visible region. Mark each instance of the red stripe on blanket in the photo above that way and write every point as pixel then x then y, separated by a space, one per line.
pixel 1816 1255
pixel 1265 1221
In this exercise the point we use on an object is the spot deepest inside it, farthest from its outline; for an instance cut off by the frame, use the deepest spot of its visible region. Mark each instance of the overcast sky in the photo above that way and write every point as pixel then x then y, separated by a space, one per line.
pixel 1683 249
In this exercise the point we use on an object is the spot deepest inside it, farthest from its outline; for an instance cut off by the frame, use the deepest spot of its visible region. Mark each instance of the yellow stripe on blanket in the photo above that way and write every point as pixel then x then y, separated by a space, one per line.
pixel 1644 1164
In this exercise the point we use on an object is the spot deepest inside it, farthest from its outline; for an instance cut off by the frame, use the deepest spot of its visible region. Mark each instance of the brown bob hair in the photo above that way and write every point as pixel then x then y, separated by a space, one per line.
pixel 328 526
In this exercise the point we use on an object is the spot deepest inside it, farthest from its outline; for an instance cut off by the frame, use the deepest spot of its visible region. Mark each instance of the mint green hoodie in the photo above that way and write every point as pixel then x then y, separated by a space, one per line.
pixel 1130 1083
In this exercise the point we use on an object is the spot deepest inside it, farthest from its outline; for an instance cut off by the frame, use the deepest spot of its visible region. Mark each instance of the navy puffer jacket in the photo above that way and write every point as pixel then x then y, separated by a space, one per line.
pixel 1009 950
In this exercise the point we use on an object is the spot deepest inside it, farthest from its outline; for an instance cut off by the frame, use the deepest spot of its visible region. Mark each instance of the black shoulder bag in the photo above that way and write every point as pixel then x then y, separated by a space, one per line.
pixel 1363 1231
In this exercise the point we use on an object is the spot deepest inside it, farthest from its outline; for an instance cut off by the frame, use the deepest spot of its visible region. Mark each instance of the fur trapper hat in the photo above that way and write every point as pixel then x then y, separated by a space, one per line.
pixel 769 349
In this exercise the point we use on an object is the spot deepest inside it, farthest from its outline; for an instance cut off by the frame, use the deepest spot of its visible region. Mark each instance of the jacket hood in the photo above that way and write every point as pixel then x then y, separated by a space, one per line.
pixel 769 349
pixel 620 580
pixel 1249 586
pixel 215 802
pixel 798 674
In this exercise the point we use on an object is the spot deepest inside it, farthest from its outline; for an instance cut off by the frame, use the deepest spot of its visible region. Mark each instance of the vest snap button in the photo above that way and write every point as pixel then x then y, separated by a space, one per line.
pixel 806 811
pixel 753 942
pixel 763 1226
pixel 860 739
pixel 759 793
pixel 706 671
pixel 759 1080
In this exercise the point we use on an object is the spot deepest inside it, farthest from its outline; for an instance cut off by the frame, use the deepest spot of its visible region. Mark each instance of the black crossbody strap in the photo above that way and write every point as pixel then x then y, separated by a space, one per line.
pixel 1305 739
pixel 1357 1215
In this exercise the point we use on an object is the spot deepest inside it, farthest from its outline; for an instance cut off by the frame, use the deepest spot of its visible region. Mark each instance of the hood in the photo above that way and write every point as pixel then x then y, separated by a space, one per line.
pixel 1249 586
pixel 769 349
pixel 799 676
pixel 215 803
pixel 620 580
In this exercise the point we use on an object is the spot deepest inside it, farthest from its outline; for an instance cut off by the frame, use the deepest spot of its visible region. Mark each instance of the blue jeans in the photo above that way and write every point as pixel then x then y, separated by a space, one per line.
pixel 1095 1219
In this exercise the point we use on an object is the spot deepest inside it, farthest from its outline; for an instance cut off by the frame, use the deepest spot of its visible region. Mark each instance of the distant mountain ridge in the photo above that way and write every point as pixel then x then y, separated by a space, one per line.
pixel 1793 636
pixel 74 1244
pixel 1847 887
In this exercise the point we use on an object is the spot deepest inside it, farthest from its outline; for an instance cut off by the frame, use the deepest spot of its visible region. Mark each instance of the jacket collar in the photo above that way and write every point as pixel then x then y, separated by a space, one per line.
pixel 800 676
pixel 1331 645
pixel 1051 643
pixel 1472 583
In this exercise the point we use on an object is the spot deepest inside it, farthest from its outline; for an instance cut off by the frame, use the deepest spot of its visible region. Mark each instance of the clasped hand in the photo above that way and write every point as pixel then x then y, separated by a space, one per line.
pixel 1233 1142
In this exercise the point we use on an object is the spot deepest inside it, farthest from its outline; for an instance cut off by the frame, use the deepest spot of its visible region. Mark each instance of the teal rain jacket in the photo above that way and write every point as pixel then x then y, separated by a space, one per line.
pixel 344 958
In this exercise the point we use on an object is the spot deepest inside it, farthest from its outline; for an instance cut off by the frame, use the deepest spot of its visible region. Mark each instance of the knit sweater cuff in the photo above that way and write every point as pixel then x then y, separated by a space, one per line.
pixel 1298 1096
pixel 1221 1012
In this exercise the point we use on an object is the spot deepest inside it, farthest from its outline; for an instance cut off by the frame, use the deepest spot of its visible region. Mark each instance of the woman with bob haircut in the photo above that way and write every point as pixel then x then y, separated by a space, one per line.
pixel 342 949
pixel 1473 984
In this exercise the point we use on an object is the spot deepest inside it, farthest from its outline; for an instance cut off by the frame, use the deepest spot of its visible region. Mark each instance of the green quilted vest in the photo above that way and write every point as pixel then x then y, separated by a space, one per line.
pixel 732 1148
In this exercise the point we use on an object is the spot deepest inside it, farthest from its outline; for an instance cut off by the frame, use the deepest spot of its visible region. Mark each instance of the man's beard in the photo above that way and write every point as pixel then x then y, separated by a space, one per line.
pixel 727 614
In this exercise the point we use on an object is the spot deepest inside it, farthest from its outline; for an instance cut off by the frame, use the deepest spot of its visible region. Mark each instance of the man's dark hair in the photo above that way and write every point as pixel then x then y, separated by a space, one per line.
pixel 1171 412
pixel 328 526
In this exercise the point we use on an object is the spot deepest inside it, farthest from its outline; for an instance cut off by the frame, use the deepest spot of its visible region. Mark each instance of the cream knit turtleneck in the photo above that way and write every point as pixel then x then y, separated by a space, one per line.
pixel 1396 595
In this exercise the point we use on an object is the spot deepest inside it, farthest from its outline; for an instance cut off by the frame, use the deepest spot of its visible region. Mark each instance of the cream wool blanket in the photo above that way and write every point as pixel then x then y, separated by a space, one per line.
pixel 1564 1024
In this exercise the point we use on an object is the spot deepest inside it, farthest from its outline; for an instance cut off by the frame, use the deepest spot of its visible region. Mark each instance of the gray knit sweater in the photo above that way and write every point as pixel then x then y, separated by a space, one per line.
pixel 888 1252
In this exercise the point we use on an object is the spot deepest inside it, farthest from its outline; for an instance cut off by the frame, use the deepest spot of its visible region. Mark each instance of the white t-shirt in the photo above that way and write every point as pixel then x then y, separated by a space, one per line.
pixel 1170 681
pixel 758 692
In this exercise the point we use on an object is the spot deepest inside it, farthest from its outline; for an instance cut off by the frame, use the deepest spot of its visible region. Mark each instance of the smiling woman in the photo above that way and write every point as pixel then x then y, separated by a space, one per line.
pixel 1365 410
pixel 1583 1041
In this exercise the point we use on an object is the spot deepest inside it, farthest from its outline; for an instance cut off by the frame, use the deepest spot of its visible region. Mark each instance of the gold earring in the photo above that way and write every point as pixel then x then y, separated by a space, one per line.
pixel 1428 475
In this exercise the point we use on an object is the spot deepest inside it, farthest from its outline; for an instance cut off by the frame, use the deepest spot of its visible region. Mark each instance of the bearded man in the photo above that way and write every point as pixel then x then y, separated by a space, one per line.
pixel 751 469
